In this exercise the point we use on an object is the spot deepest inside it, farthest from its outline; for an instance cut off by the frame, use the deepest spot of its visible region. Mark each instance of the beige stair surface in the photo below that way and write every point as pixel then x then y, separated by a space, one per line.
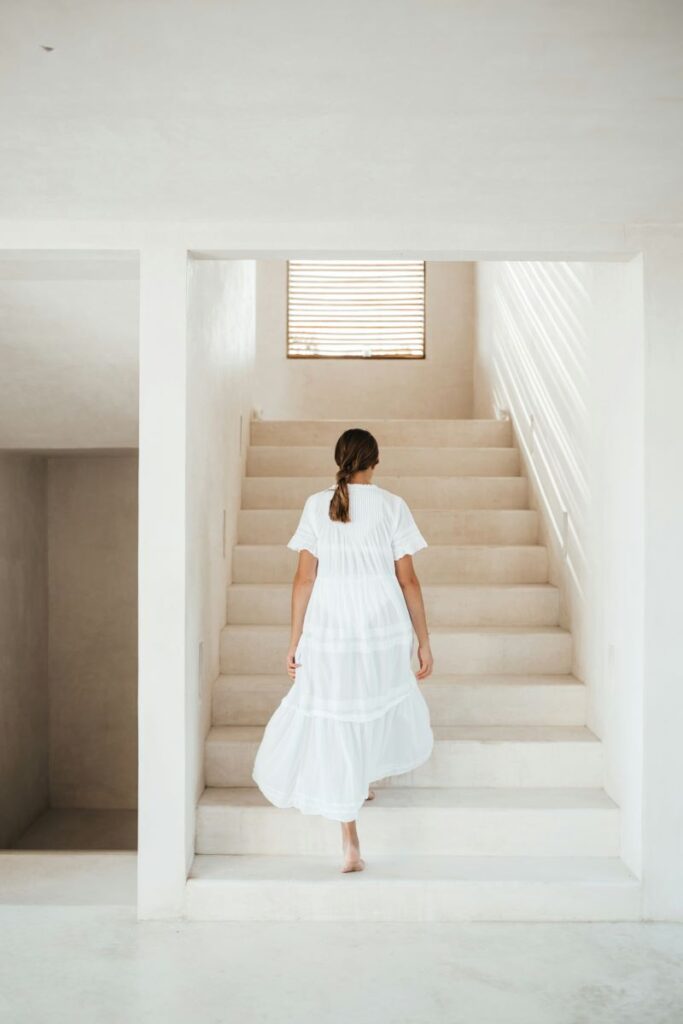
pixel 402 887
pixel 452 699
pixel 446 492
pixel 440 525
pixel 432 433
pixel 469 563
pixel 420 462
pixel 446 604
pixel 488 649
pixel 508 820
pixel 464 755
pixel 445 821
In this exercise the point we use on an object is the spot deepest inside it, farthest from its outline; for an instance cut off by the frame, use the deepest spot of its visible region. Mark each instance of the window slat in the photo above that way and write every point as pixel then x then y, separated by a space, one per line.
pixel 368 308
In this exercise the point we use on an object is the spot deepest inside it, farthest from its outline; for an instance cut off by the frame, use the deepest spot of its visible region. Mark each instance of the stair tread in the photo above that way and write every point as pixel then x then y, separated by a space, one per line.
pixel 446 679
pixel 402 868
pixel 535 587
pixel 468 547
pixel 409 420
pixel 442 630
pixel 474 798
pixel 385 482
pixel 445 733
pixel 390 447
pixel 459 513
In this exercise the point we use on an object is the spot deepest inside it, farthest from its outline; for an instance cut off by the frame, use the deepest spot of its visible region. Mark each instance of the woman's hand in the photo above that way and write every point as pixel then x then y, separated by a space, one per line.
pixel 424 656
pixel 292 663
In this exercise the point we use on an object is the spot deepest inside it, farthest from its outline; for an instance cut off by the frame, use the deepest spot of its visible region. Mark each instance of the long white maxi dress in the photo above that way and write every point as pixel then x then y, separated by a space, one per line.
pixel 355 713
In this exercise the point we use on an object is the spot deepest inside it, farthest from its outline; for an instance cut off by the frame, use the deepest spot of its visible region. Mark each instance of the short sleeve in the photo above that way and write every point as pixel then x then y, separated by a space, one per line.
pixel 305 535
pixel 406 538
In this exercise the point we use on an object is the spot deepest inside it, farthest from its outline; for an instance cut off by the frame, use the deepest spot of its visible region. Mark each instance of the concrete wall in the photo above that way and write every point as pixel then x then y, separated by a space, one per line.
pixel 438 386
pixel 92 555
pixel 69 352
pixel 23 645
pixel 220 367
pixel 561 349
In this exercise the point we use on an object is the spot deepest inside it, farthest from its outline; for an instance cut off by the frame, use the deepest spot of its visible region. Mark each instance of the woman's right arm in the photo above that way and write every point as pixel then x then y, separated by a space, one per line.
pixel 302 585
pixel 412 592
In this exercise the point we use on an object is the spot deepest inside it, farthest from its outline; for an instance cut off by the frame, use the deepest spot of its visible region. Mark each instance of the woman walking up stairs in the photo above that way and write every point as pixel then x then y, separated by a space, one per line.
pixel 355 713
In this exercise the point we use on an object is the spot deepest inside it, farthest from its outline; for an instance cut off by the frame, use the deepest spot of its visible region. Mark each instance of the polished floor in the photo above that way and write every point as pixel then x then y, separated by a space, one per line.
pixel 71 959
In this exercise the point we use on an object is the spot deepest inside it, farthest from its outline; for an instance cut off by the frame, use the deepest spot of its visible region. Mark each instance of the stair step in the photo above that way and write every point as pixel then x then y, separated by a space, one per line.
pixel 446 604
pixel 439 526
pixel 412 888
pixel 444 822
pixel 449 492
pixel 304 460
pixel 452 700
pixel 512 649
pixel 464 755
pixel 426 433
pixel 439 563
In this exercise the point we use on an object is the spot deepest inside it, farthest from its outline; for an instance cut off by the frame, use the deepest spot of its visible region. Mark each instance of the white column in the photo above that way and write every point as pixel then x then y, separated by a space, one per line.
pixel 164 834
pixel 663 574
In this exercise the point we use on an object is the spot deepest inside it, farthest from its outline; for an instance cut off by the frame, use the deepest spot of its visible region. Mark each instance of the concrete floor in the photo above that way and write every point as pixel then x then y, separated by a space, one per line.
pixel 87 962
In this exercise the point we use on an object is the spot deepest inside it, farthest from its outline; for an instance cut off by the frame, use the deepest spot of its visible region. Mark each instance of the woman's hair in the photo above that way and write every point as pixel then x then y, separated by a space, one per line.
pixel 355 451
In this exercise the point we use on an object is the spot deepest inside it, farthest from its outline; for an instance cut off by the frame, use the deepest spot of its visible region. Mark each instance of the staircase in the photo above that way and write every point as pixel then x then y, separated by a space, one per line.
pixel 508 820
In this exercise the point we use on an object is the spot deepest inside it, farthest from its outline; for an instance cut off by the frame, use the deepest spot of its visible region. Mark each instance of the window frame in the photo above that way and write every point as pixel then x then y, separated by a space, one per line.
pixel 367 359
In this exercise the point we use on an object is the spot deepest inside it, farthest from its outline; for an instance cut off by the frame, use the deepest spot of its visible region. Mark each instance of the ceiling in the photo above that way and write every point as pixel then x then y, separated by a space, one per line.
pixel 259 110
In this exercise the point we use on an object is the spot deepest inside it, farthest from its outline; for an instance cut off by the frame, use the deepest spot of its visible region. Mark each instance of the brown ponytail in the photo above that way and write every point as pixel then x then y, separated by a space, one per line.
pixel 355 451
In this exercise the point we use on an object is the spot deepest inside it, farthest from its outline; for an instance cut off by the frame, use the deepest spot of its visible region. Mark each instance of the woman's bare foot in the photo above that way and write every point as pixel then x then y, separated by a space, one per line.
pixel 351 848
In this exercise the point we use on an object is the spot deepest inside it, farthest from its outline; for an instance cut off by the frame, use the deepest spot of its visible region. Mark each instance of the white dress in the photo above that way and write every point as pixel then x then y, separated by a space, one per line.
pixel 355 713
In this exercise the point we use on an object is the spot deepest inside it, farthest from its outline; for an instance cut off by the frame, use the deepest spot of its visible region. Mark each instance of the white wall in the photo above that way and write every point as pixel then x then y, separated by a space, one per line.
pixel 23 643
pixel 440 385
pixel 162 569
pixel 196 366
pixel 616 579
pixel 162 856
pixel 92 513
pixel 561 349
pixel 663 537
pixel 220 367
pixel 69 352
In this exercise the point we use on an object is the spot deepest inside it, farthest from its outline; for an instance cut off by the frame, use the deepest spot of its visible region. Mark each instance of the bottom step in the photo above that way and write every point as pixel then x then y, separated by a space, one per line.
pixel 412 888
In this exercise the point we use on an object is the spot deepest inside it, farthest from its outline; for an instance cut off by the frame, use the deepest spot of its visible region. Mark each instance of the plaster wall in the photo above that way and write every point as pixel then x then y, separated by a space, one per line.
pixel 162 734
pixel 92 558
pixel 663 540
pixel 221 343
pixel 23 643
pixel 561 351
pixel 440 385
pixel 69 352
pixel 162 859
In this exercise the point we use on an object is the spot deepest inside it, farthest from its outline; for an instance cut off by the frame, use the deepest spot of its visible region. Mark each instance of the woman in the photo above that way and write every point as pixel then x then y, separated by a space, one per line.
pixel 355 712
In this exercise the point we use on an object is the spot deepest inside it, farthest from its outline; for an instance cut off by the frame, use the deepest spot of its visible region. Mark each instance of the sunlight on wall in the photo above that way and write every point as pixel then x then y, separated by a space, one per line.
pixel 560 350
pixel 532 363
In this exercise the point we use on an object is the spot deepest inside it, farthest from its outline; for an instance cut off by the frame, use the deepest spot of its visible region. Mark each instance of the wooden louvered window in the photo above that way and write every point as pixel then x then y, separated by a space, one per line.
pixel 356 309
